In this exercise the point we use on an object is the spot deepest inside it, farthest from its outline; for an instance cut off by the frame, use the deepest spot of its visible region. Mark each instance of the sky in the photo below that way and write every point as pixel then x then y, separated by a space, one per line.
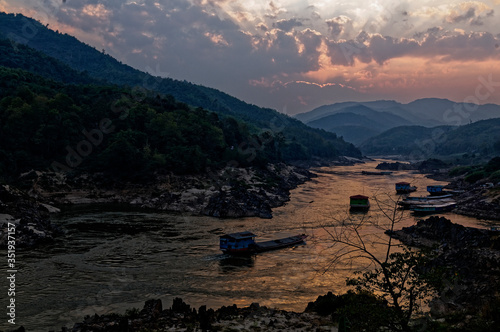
pixel 295 55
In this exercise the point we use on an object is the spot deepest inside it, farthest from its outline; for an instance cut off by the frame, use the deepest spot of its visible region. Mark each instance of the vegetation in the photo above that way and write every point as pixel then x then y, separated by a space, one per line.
pixel 295 139
pixel 396 278
pixel 118 131
pixel 480 138
pixel 486 172
pixel 415 141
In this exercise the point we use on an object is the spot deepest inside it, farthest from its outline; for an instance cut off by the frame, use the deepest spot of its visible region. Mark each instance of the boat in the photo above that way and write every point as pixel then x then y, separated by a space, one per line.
pixel 243 243
pixel 425 200
pixel 432 208
pixel 436 190
pixel 359 202
pixel 404 188
pixel 376 173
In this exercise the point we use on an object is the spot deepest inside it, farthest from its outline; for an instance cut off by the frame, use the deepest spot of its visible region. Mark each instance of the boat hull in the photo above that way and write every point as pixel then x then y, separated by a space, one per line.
pixel 259 247
pixel 431 209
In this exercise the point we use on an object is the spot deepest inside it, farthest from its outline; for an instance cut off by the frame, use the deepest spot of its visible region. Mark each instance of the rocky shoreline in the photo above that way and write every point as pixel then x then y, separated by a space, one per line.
pixel 480 200
pixel 181 317
pixel 31 219
pixel 224 193
pixel 477 200
pixel 229 192
pixel 470 260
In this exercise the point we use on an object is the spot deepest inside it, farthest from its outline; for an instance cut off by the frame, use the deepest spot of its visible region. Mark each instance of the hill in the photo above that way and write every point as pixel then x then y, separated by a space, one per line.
pixel 418 142
pixel 427 112
pixel 304 141
pixel 357 123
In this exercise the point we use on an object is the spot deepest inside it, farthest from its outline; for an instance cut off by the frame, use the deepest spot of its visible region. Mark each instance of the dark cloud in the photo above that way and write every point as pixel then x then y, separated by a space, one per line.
pixel 336 25
pixel 470 13
pixel 473 46
pixel 198 41
pixel 287 25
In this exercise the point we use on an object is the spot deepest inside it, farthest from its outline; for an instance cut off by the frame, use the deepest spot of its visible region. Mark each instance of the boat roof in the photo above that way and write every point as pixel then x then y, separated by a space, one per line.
pixel 358 197
pixel 240 235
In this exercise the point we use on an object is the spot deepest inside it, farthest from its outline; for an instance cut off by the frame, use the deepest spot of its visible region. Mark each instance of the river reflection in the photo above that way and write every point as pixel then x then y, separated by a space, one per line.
pixel 113 259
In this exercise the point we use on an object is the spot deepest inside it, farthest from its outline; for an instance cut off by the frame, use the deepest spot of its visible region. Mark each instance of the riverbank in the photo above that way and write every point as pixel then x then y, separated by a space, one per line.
pixel 224 193
pixel 480 199
pixel 29 217
pixel 181 317
pixel 227 192
pixel 469 259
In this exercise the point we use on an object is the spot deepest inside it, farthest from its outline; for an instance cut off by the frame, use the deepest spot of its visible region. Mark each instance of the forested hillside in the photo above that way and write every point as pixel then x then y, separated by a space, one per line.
pixel 481 137
pixel 302 142
pixel 47 124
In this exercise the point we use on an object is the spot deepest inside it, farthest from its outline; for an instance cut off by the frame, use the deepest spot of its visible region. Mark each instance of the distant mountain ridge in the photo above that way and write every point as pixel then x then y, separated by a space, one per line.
pixel 357 123
pixel 96 66
pixel 427 112
pixel 480 138
pixel 387 114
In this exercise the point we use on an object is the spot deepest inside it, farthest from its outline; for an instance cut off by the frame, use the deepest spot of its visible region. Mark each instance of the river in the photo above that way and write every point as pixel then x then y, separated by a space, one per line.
pixel 113 258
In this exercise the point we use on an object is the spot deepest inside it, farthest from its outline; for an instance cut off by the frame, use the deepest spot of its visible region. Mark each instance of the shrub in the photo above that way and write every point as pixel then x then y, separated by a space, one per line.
pixel 475 176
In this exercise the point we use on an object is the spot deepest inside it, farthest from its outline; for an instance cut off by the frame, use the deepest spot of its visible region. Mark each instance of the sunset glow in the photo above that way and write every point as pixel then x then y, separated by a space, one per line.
pixel 255 51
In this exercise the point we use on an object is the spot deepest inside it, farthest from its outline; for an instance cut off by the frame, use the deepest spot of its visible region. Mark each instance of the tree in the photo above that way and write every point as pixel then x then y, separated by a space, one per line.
pixel 393 275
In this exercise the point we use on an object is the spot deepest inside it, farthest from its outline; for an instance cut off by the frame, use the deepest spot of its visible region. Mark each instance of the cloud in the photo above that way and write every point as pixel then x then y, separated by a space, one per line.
pixel 243 47
pixel 459 46
pixel 287 25
pixel 473 13
pixel 337 25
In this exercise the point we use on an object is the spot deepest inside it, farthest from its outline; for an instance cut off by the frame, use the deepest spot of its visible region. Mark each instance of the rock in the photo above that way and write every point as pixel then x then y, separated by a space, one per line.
pixel 152 308
pixel 180 307
pixel 50 208
pixel 468 258
pixel 30 217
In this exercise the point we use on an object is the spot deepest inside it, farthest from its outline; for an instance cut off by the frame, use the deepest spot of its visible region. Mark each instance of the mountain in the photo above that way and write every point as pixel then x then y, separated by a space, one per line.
pixel 325 110
pixel 402 140
pixel 302 141
pixel 418 142
pixel 427 112
pixel 356 122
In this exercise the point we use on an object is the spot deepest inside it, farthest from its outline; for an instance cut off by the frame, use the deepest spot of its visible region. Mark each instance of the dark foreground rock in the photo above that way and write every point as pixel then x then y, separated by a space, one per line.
pixel 181 317
pixel 470 261
pixel 30 218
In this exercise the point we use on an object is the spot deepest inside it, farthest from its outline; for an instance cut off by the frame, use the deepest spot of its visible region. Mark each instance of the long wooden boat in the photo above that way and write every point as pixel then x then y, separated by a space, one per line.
pixel 376 173
pixel 243 243
pixel 427 198
pixel 432 208
pixel 409 203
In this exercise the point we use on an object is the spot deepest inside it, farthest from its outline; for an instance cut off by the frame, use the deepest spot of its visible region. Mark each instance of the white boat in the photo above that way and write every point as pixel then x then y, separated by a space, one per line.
pixel 433 208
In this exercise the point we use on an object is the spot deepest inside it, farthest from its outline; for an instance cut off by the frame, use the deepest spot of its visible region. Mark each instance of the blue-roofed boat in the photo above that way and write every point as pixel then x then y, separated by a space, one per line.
pixel 404 188
pixel 436 190
pixel 243 243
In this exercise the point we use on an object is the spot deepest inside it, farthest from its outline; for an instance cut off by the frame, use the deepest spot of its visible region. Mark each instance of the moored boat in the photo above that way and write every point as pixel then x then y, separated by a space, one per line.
pixel 436 190
pixel 404 188
pixel 243 243
pixel 376 173
pixel 432 208
pixel 429 200
pixel 359 202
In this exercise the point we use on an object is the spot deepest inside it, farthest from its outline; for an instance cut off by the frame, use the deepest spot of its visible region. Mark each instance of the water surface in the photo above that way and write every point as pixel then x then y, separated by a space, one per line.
pixel 112 259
